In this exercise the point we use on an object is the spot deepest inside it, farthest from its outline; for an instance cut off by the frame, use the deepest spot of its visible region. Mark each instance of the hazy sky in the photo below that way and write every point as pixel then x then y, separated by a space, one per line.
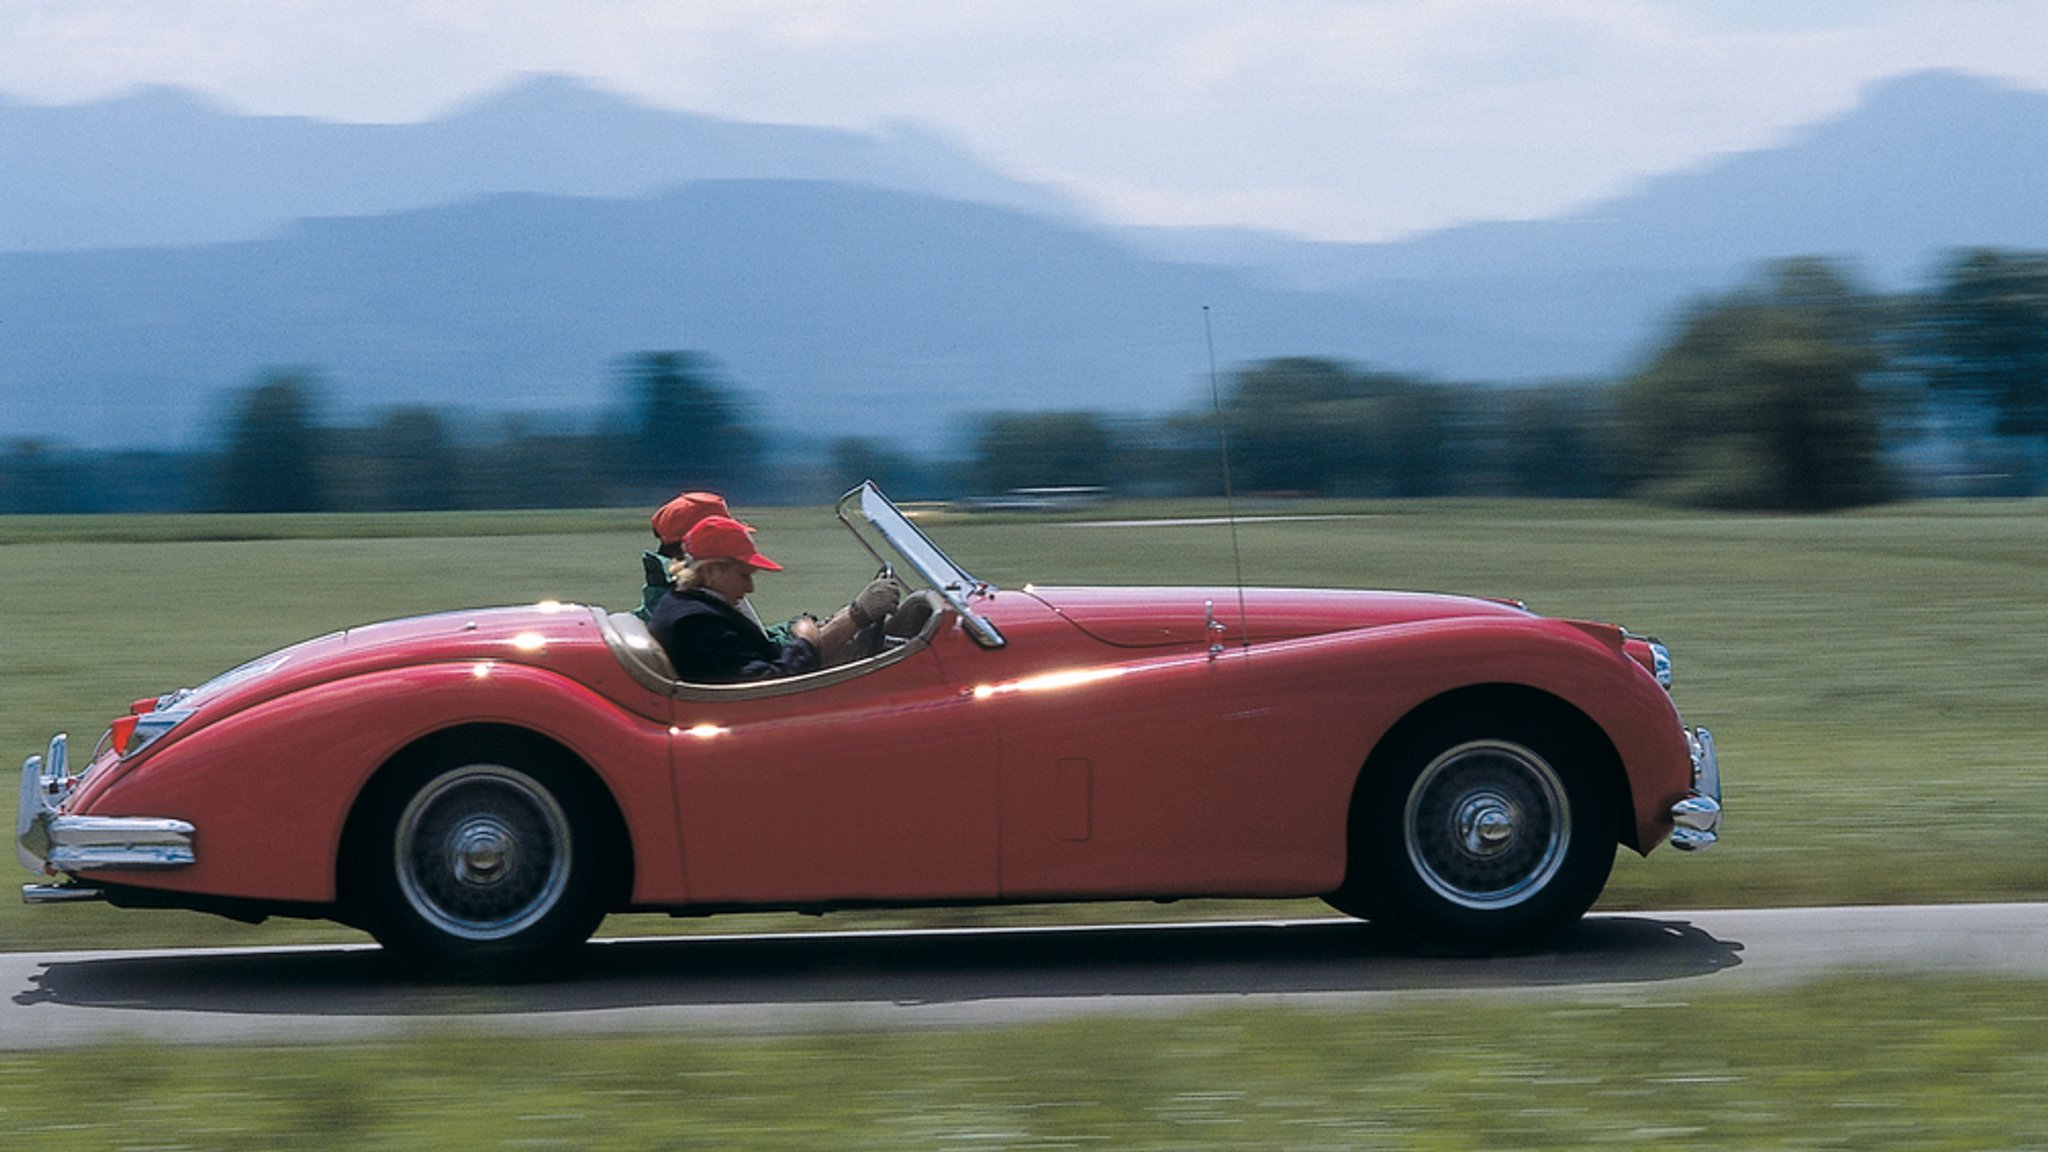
pixel 1348 119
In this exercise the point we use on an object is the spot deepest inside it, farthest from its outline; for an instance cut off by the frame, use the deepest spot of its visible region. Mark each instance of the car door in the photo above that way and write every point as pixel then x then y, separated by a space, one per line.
pixel 876 786
pixel 1149 772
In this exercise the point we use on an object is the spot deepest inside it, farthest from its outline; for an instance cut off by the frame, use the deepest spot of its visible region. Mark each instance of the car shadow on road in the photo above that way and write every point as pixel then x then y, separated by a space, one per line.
pixel 897 967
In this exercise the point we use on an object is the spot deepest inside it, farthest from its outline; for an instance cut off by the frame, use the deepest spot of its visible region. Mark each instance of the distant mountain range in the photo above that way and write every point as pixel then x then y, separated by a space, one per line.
pixel 162 167
pixel 156 251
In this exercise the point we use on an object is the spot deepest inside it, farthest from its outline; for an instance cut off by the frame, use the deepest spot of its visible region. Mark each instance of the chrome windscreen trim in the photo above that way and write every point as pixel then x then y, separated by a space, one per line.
pixel 908 541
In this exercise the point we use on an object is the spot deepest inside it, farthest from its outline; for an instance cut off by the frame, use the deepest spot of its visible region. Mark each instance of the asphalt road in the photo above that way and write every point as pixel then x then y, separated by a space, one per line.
pixel 848 981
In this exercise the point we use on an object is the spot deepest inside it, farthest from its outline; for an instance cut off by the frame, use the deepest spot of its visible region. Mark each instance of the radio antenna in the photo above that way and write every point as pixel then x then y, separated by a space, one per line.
pixel 1229 498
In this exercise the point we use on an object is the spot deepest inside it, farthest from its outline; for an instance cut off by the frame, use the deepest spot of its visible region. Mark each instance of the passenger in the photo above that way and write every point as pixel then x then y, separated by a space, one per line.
pixel 671 522
pixel 698 623
pixel 850 633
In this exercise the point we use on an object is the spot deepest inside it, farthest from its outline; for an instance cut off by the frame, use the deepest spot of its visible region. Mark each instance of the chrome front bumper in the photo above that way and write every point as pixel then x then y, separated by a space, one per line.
pixel 1696 819
pixel 49 842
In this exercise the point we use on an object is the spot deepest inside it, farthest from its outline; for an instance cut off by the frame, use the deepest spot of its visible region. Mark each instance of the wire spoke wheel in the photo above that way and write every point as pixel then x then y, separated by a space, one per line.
pixel 483 852
pixel 1483 826
pixel 1487 824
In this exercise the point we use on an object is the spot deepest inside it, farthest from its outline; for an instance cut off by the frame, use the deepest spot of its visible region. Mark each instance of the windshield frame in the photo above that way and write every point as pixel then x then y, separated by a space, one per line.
pixel 864 511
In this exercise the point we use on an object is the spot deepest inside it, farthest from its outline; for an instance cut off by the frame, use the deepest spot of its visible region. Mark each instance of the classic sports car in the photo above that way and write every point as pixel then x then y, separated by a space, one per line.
pixel 478 789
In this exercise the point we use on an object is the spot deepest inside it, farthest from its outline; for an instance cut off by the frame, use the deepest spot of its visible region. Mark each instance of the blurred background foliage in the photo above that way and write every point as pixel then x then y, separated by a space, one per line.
pixel 1799 391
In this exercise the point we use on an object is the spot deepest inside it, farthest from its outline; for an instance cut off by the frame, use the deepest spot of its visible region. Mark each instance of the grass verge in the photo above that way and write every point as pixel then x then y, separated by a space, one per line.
pixel 1847 1063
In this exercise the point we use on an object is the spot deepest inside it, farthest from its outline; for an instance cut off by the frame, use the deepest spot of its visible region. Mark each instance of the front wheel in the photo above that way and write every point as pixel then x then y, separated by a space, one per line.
pixel 479 867
pixel 1487 840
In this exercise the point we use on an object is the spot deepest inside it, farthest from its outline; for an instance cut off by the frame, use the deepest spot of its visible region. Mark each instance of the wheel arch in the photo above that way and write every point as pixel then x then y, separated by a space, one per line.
pixel 508 743
pixel 1516 703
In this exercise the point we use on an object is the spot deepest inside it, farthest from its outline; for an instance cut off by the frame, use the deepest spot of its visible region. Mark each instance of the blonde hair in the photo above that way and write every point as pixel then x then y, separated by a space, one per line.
pixel 687 573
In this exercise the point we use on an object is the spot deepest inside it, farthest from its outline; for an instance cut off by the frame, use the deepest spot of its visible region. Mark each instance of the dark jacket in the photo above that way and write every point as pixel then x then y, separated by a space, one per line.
pixel 711 642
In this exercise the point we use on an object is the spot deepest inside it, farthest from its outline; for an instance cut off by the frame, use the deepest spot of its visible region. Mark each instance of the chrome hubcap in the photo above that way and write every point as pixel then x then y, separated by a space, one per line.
pixel 482 852
pixel 1487 824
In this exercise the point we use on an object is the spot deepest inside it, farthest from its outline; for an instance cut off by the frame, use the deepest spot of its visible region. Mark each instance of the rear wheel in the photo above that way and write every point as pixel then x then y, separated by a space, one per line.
pixel 488 866
pixel 1487 839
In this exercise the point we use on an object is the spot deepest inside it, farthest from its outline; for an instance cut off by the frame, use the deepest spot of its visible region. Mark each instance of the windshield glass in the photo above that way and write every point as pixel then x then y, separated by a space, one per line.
pixel 882 528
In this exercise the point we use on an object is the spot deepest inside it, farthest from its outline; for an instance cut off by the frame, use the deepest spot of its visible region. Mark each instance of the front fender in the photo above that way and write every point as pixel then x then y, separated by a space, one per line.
pixel 1360 684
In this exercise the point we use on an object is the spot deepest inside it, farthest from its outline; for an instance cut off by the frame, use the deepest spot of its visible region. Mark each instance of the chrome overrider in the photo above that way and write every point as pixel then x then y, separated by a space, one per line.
pixel 49 842
pixel 1696 820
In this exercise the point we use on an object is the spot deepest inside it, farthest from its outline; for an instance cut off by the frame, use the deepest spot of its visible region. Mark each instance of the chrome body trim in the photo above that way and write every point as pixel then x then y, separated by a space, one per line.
pixel 80 843
pixel 60 893
pixel 151 726
pixel 45 782
pixel 1696 818
pixel 1660 660
pixel 1660 657
pixel 48 842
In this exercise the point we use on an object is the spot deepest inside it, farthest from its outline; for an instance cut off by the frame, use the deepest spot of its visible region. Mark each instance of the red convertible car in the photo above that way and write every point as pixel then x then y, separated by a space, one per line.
pixel 478 789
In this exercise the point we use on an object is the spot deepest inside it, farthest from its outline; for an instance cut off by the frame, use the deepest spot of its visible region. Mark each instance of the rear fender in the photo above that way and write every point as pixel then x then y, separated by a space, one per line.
pixel 270 789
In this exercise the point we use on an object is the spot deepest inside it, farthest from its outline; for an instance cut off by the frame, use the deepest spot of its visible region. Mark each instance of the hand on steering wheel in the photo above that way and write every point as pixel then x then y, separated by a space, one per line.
pixel 877 600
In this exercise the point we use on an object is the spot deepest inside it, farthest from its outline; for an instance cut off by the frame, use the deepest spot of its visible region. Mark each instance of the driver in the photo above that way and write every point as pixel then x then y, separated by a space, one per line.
pixel 710 640
pixel 850 633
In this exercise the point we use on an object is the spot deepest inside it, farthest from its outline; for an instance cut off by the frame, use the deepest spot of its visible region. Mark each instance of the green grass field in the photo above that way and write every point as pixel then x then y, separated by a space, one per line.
pixel 1912 1063
pixel 1876 680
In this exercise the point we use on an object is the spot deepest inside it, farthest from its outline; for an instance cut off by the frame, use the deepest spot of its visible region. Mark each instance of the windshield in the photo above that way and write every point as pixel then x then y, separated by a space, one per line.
pixel 882 528
pixel 187 698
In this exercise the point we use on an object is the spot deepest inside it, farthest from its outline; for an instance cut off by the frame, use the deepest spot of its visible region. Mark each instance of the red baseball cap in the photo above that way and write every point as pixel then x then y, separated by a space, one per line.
pixel 724 538
pixel 675 519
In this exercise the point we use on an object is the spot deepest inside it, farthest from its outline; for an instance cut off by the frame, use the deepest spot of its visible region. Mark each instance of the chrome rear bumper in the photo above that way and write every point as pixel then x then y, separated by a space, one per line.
pixel 48 842
pixel 1696 819
pixel 60 893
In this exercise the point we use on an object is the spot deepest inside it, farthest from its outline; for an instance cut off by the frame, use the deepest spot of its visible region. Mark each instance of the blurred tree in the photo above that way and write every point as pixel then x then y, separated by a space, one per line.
pixel 1558 441
pixel 1292 423
pixel 1981 340
pixel 1759 401
pixel 1415 433
pixel 529 461
pixel 1311 425
pixel 1175 454
pixel 275 458
pixel 1990 322
pixel 857 458
pixel 151 480
pixel 1044 450
pixel 686 429
pixel 36 477
pixel 405 463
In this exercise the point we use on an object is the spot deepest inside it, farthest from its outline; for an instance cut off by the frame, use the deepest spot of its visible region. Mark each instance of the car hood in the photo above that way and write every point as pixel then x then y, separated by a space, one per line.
pixel 1158 617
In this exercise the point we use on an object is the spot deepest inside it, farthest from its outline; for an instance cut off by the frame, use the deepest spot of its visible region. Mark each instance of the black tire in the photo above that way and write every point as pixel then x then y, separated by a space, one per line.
pixel 481 866
pixel 1490 837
